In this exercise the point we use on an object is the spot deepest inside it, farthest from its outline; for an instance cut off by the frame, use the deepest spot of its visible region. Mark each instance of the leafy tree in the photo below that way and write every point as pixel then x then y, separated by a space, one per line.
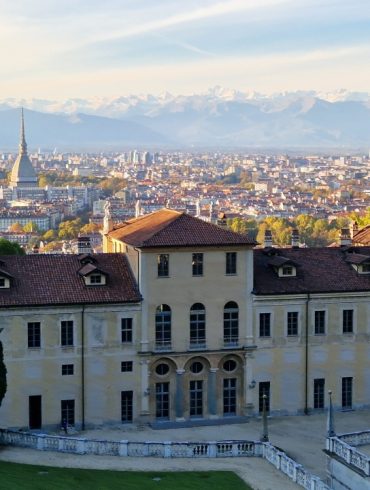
pixel 9 248
pixel 90 228
pixel 69 229
pixel 30 227
pixel 16 228
pixel 3 371
pixel 49 235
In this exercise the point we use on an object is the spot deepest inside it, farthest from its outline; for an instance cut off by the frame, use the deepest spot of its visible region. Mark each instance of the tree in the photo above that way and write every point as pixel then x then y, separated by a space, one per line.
pixel 90 228
pixel 31 227
pixel 16 228
pixel 49 235
pixel 3 371
pixel 9 248
pixel 69 229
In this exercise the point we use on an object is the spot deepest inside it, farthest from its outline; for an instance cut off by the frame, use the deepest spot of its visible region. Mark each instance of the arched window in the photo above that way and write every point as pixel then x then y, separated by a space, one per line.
pixel 231 324
pixel 197 326
pixel 163 327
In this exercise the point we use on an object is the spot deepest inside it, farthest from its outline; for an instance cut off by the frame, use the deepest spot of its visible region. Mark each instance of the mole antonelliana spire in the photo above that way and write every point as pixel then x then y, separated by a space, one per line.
pixel 23 174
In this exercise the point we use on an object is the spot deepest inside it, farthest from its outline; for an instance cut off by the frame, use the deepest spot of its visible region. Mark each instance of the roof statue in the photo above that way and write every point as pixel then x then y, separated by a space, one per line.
pixel 108 221
pixel 23 174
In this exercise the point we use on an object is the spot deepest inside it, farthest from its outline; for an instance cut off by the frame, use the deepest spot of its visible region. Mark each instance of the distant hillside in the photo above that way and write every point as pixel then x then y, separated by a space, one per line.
pixel 80 131
pixel 217 118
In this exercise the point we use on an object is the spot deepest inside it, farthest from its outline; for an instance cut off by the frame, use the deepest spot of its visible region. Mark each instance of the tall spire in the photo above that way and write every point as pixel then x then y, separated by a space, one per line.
pixel 22 142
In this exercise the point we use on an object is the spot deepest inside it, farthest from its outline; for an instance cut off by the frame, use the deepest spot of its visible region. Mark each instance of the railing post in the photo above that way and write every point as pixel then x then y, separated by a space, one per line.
pixel 212 449
pixel 123 448
pixel 167 449
pixel 80 446
pixel 40 442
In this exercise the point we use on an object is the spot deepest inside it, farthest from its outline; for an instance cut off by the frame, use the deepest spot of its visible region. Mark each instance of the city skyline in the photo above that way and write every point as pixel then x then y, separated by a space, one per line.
pixel 89 49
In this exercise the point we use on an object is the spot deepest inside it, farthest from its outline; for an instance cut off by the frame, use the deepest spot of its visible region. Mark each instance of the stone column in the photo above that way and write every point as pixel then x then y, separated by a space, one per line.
pixel 179 396
pixel 249 337
pixel 144 387
pixel 250 385
pixel 212 395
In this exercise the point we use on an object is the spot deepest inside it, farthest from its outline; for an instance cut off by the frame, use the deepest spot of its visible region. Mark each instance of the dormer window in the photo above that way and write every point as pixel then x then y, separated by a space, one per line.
pixel 95 279
pixel 92 275
pixel 287 270
pixel 364 268
pixel 4 282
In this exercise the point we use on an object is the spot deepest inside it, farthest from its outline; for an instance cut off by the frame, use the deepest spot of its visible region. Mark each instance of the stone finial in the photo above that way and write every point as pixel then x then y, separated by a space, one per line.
pixel 108 221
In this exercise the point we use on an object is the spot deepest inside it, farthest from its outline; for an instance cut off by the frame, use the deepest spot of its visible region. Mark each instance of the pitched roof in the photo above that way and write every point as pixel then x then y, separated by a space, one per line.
pixel 169 228
pixel 319 270
pixel 41 280
pixel 362 236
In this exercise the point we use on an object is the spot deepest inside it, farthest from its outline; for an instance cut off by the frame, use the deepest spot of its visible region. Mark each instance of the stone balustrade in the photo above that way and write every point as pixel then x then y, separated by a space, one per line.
pixel 344 447
pixel 167 449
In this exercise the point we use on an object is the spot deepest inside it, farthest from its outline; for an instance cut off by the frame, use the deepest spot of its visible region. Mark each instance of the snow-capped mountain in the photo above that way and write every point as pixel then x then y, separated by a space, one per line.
pixel 217 117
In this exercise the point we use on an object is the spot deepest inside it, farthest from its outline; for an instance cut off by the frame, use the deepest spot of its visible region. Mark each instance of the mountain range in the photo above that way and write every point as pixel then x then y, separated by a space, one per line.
pixel 218 118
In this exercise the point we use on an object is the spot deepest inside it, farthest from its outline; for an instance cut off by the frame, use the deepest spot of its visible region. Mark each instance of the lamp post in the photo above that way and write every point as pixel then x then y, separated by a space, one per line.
pixel 265 432
pixel 330 419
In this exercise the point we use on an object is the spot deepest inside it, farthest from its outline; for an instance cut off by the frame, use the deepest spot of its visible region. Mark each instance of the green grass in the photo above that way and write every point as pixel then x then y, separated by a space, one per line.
pixel 29 477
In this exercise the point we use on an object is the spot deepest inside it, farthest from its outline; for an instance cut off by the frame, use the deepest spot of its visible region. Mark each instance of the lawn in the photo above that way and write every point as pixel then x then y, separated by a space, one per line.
pixel 29 477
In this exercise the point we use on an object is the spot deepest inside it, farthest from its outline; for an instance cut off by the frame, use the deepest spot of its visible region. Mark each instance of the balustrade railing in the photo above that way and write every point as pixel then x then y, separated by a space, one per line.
pixel 344 447
pixel 166 449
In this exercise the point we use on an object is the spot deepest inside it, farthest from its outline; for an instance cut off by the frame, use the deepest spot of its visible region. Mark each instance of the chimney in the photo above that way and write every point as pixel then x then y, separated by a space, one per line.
pixel 295 238
pixel 268 239
pixel 221 220
pixel 345 237
pixel 83 245
pixel 353 228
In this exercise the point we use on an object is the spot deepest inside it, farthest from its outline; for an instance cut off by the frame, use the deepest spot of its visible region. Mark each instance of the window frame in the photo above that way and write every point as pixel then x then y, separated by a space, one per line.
pixel 34 335
pixel 66 333
pixel 265 324
pixel 127 366
pixel 163 265
pixel 197 326
pixel 347 320
pixel 197 264
pixel 231 324
pixel 292 323
pixel 127 330
pixel 231 264
pixel 163 327
pixel 319 393
pixel 67 409
pixel 347 392
pixel 68 369
pixel 320 322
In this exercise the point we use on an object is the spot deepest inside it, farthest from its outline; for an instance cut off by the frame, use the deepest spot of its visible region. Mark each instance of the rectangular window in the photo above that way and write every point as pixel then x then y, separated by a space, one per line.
pixel 320 322
pixel 68 412
pixel 265 324
pixel 347 392
pixel 229 396
pixel 126 406
pixel 2 282
pixel 126 366
pixel 197 264
pixel 95 279
pixel 126 330
pixel 34 334
pixel 162 401
pixel 292 323
pixel 230 263
pixel 347 321
pixel 319 393
pixel 163 262
pixel 196 398
pixel 66 333
pixel 264 389
pixel 67 369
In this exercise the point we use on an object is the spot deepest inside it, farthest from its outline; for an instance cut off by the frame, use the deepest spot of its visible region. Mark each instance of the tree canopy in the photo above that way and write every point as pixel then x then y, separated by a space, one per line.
pixel 9 248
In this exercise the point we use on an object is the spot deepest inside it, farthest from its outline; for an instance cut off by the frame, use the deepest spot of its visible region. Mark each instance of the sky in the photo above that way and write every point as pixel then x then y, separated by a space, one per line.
pixel 94 48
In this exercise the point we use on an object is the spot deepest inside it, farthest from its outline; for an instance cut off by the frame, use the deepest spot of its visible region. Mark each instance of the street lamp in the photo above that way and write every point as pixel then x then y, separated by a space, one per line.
pixel 265 432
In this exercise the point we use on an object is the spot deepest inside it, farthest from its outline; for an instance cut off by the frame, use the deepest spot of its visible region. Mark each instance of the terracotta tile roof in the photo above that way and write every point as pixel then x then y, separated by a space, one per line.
pixel 168 228
pixel 362 236
pixel 54 280
pixel 319 270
